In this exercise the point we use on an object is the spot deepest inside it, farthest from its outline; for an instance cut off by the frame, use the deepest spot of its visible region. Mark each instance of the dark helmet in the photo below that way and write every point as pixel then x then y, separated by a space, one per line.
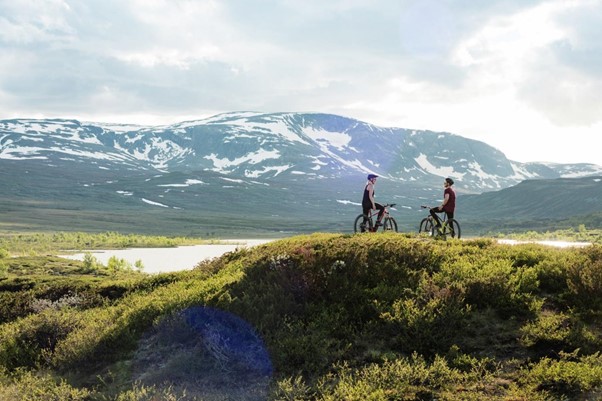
pixel 449 181
pixel 371 176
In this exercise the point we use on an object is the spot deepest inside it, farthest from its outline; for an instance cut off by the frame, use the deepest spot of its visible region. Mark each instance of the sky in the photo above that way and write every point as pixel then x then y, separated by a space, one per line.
pixel 524 76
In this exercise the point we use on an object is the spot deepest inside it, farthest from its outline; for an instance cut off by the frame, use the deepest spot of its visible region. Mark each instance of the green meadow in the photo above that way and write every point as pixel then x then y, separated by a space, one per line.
pixel 310 317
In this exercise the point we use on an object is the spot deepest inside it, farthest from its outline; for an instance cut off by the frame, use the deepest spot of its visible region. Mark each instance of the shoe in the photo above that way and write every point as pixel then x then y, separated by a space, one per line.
pixel 378 224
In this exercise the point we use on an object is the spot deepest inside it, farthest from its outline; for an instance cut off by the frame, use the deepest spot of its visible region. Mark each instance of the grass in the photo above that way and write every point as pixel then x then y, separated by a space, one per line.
pixel 312 317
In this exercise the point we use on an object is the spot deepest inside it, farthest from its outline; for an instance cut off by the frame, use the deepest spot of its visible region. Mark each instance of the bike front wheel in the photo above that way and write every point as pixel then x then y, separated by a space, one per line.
pixel 426 226
pixel 362 224
pixel 390 224
pixel 451 229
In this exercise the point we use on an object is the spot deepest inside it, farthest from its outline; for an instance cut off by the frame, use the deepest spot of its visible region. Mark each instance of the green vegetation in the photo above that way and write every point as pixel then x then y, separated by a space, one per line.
pixel 585 227
pixel 44 243
pixel 580 234
pixel 342 317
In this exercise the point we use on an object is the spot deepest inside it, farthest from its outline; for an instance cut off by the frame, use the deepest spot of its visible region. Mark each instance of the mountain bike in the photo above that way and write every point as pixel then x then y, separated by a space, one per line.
pixel 367 223
pixel 449 227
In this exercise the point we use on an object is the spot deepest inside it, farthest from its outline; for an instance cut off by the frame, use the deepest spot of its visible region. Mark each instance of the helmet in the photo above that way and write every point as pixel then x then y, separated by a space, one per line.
pixel 371 176
pixel 449 181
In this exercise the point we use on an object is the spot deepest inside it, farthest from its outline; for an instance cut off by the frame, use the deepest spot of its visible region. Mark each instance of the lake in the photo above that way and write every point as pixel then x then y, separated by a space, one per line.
pixel 163 260
pixel 554 243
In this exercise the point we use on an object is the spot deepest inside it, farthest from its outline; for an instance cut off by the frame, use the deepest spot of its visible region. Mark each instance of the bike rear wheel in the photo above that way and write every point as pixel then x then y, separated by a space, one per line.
pixel 390 224
pixel 426 226
pixel 360 227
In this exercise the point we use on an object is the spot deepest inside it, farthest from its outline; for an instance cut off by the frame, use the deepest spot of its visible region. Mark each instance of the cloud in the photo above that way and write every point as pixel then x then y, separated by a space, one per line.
pixel 461 66
pixel 565 78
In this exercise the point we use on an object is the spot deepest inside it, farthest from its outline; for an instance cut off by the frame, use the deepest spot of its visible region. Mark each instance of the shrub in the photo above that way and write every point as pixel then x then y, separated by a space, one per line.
pixel 31 386
pixel 116 265
pixel 557 332
pixel 569 375
pixel 3 269
pixel 428 319
pixel 490 281
pixel 584 279
pixel 91 263
pixel 393 380
pixel 30 341
pixel 151 393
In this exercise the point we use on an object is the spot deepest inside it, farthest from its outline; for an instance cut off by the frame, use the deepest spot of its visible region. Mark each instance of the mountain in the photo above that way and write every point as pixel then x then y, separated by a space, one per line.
pixel 286 172
pixel 533 201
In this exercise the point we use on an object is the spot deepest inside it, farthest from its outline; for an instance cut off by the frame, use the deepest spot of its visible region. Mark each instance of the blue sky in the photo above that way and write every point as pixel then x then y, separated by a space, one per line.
pixel 524 76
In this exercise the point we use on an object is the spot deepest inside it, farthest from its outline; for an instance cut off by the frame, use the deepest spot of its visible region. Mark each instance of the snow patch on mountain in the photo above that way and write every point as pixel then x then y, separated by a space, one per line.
pixel 448 171
pixel 477 170
pixel 233 180
pixel 241 123
pixel 223 165
pixel 268 169
pixel 337 140
pixel 153 203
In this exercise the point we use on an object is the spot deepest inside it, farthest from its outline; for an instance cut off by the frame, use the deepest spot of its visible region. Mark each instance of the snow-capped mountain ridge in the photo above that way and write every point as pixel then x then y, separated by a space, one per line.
pixel 285 145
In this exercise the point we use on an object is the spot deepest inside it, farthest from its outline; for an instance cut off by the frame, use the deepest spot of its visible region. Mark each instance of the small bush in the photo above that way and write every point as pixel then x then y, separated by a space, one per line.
pixel 556 332
pixel 31 386
pixel 569 375
pixel 151 393
pixel 30 341
pixel 584 278
pixel 428 319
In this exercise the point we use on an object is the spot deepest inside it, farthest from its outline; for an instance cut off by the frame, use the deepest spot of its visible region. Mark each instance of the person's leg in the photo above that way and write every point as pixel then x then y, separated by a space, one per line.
pixel 381 212
pixel 434 212
pixel 366 212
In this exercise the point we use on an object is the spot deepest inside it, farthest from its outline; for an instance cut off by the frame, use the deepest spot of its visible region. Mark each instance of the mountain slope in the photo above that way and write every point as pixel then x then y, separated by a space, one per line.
pixel 289 172
pixel 535 204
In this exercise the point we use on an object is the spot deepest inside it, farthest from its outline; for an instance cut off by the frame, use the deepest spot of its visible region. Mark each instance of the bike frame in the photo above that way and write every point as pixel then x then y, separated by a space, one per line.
pixel 374 212
pixel 368 222
pixel 445 223
pixel 430 217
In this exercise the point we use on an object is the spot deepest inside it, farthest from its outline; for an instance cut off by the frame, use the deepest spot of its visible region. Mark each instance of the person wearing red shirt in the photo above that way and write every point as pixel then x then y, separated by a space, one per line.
pixel 448 205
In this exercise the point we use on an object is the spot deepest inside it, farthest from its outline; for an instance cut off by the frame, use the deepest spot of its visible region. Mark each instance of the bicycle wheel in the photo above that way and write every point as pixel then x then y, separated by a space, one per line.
pixel 360 227
pixel 426 226
pixel 453 229
pixel 390 224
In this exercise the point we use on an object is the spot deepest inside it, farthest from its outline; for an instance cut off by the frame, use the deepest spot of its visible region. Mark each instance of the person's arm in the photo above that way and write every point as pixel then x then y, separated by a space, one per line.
pixel 371 195
pixel 445 199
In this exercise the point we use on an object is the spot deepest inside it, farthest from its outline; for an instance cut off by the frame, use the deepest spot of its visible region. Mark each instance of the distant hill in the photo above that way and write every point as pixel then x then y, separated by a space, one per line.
pixel 237 173
pixel 532 203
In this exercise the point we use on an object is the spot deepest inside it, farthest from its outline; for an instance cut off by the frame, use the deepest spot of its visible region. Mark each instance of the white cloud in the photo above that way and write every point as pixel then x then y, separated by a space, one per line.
pixel 497 71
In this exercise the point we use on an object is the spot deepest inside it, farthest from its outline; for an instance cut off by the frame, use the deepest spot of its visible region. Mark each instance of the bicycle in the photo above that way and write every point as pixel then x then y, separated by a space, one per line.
pixel 449 227
pixel 364 224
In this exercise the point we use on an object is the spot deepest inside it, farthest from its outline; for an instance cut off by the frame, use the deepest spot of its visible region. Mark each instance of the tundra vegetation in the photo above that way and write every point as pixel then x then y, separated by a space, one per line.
pixel 312 317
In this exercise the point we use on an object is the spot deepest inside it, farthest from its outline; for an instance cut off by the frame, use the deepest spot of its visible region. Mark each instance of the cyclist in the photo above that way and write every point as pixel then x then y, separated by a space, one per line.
pixel 448 205
pixel 368 202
